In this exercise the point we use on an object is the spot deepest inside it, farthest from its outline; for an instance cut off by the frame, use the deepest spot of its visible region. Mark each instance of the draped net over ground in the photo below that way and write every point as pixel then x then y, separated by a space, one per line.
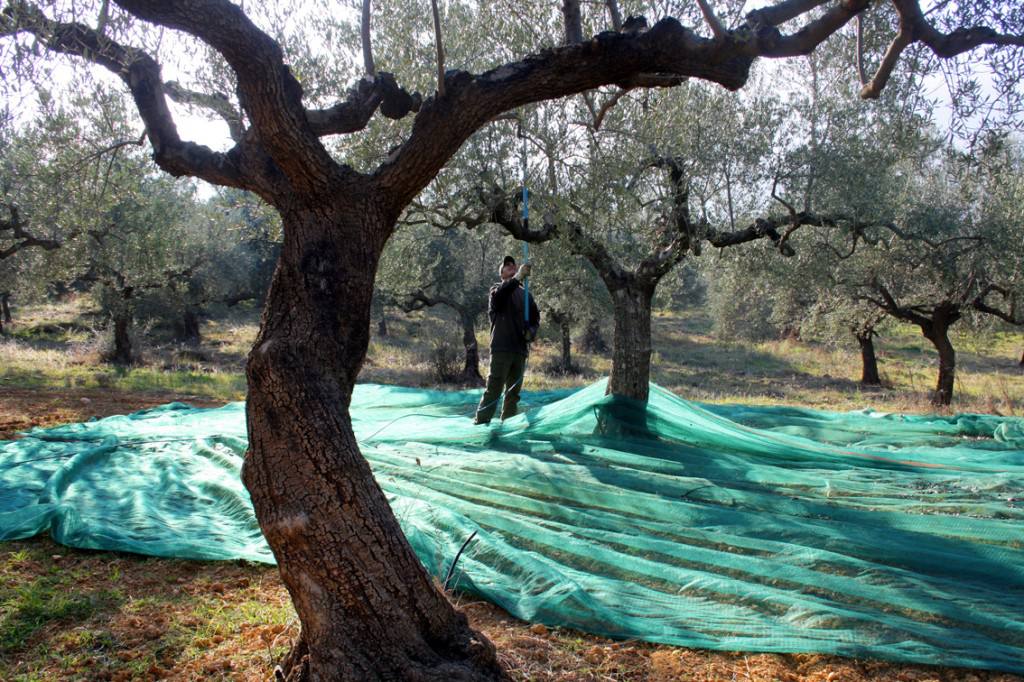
pixel 721 527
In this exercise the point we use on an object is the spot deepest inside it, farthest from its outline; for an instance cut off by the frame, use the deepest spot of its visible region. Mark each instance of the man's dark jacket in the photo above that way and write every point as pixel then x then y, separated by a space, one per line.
pixel 508 324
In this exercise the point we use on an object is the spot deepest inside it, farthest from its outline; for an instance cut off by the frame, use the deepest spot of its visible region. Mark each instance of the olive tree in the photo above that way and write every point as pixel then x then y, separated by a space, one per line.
pixel 367 607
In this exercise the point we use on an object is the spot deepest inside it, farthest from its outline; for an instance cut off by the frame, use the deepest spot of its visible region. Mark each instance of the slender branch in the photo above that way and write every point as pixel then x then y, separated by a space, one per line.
pixel 16 226
pixel 606 107
pixel 1011 316
pixel 440 47
pixel 780 13
pixel 873 89
pixel 101 21
pixel 712 20
pixel 573 21
pixel 364 30
pixel 615 14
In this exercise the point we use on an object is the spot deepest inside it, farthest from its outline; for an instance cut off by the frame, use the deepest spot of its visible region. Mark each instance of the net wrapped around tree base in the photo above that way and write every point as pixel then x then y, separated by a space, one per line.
pixel 720 527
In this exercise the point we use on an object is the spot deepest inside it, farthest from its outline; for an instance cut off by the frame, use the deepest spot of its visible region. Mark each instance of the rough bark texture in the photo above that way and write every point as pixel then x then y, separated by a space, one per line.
pixel 869 362
pixel 631 347
pixel 368 609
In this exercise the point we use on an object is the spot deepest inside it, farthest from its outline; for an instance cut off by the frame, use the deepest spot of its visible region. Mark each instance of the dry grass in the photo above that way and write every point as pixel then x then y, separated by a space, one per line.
pixel 72 614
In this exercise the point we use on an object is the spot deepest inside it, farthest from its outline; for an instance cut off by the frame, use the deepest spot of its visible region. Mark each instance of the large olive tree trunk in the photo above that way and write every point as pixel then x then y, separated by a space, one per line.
pixel 368 608
pixel 631 346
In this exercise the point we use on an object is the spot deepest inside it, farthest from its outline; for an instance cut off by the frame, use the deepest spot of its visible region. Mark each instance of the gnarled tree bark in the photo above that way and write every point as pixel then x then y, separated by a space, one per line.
pixel 368 609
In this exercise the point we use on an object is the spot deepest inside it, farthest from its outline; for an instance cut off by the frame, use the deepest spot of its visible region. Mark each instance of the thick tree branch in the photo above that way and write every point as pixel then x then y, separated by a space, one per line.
pixel 662 56
pixel 873 88
pixel 362 101
pixel 582 244
pixel 614 14
pixel 946 45
pixel 141 74
pixel 216 102
pixel 270 94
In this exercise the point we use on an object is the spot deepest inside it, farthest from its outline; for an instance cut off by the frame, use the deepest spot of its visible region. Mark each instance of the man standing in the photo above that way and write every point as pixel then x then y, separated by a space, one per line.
pixel 511 332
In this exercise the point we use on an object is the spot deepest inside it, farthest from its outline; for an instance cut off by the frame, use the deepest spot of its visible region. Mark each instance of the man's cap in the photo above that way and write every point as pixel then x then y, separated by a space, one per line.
pixel 508 260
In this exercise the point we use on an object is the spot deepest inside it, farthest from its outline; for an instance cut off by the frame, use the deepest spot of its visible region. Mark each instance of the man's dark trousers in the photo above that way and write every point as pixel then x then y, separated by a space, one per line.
pixel 506 375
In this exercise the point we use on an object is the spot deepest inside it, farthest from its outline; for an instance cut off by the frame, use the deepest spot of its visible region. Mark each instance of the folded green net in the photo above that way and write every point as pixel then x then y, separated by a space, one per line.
pixel 721 527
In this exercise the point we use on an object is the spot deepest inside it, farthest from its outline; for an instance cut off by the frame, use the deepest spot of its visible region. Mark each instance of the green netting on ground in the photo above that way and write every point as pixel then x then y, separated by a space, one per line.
pixel 723 527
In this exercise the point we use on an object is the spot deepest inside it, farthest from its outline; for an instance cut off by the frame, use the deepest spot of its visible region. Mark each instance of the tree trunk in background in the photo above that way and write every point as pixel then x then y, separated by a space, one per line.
pixel 188 327
pixel 869 362
pixel 566 328
pixel 631 347
pixel 471 365
pixel 122 352
pixel 937 331
pixel 591 341
pixel 5 307
pixel 368 609
pixel 382 326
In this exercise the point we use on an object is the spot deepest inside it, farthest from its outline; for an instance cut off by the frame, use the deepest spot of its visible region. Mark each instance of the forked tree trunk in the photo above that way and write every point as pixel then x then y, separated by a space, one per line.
pixel 869 361
pixel 122 353
pixel 631 347
pixel 471 363
pixel 368 609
